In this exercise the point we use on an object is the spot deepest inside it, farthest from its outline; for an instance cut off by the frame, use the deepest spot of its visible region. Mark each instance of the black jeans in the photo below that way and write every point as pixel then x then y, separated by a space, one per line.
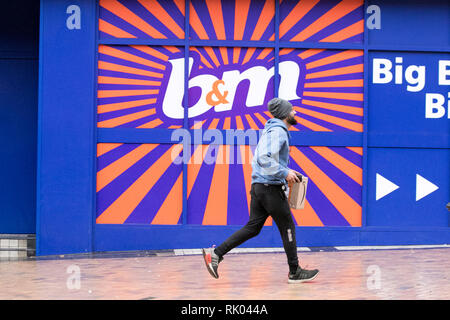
pixel 266 200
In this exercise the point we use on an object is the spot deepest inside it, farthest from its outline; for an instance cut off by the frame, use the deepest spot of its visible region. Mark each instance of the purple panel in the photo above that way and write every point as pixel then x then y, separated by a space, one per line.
pixel 350 187
pixel 151 19
pixel 113 190
pixel 324 209
pixel 149 206
pixel 237 196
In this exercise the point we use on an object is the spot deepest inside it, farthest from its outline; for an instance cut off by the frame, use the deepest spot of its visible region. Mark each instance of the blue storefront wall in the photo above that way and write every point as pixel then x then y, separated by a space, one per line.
pixel 18 123
pixel 403 150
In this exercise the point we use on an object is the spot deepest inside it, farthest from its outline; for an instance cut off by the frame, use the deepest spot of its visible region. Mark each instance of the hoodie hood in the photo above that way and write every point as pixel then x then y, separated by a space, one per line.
pixel 275 122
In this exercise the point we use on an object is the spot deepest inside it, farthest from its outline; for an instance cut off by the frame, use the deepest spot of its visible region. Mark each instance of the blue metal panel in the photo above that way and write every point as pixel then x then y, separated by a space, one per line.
pixel 192 237
pixel 170 237
pixel 408 140
pixel 18 89
pixel 19 32
pixel 65 196
pixel 365 123
pixel 231 43
pixel 18 106
pixel 186 145
pixel 414 22
pixel 127 135
pixel 403 236
pixel 400 208
pixel 398 108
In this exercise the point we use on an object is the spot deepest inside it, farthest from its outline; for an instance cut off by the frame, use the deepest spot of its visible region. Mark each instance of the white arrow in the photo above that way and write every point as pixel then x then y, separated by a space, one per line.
pixel 424 187
pixel 384 186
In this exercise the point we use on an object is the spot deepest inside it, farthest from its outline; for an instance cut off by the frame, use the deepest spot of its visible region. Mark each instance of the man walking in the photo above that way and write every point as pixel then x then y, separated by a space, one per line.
pixel 268 198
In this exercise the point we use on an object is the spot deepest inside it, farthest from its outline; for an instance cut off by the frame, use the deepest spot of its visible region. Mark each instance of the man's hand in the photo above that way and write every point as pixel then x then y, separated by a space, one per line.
pixel 292 177
pixel 297 173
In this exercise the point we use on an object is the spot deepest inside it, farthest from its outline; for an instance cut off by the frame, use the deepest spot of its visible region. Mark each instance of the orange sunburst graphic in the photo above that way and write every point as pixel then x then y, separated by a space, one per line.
pixel 329 99
pixel 141 183
pixel 142 19
pixel 132 90
pixel 130 80
pixel 142 87
pixel 218 98
pixel 327 21
pixel 334 185
pixel 332 96
pixel 131 177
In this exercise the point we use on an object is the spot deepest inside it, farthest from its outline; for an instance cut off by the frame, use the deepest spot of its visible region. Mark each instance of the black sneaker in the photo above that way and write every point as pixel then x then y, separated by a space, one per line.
pixel 212 261
pixel 302 275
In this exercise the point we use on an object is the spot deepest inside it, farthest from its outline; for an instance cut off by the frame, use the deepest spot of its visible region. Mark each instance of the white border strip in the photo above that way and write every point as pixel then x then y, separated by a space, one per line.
pixel 348 248
pixel 182 252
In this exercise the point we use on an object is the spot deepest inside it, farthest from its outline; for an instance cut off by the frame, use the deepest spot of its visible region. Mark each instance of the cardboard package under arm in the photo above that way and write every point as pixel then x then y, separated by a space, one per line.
pixel 297 193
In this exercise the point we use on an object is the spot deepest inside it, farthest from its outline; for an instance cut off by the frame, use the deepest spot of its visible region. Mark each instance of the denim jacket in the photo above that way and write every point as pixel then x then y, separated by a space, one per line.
pixel 271 158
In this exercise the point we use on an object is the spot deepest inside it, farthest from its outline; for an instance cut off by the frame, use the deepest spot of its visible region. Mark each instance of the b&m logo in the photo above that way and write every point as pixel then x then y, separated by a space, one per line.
pixel 228 90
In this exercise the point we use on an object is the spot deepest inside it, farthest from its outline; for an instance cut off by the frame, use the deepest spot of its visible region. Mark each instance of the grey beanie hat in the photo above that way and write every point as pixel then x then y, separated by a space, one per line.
pixel 279 108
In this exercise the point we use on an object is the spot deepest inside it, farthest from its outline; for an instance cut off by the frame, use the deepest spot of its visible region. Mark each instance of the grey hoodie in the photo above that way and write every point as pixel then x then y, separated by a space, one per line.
pixel 271 158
